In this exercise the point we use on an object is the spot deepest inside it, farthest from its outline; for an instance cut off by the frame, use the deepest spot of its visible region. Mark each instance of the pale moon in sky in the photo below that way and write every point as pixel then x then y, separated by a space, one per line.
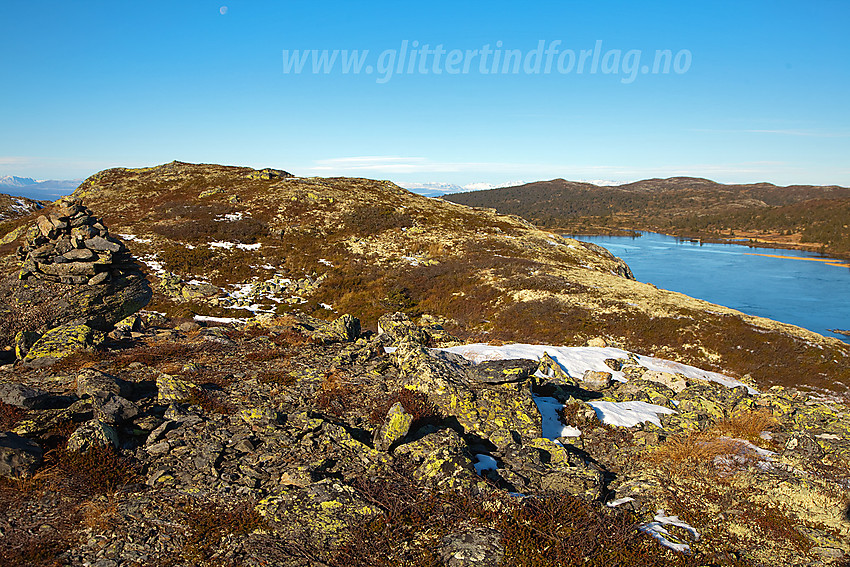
pixel 223 10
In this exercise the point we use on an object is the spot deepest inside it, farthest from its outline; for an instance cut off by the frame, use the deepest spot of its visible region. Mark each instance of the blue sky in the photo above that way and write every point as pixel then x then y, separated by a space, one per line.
pixel 91 85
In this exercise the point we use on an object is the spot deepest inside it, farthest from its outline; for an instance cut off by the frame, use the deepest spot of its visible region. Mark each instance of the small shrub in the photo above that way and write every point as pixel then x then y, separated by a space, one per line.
pixel 168 351
pixel 415 403
pixel 10 415
pixel 209 523
pixel 99 470
pixel 571 414
pixel 335 395
pixel 265 355
pixel 371 219
pixel 209 401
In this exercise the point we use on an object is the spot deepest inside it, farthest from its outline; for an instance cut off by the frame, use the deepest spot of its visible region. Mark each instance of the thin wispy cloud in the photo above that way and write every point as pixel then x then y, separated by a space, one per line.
pixel 403 164
pixel 499 172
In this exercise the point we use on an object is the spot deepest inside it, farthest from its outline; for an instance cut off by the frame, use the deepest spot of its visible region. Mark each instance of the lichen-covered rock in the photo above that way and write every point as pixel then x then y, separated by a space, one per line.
pixel 59 342
pixel 555 375
pixel 113 409
pixel 268 174
pixel 24 341
pixel 675 382
pixel 320 512
pixel 543 465
pixel 91 382
pixel 394 428
pixel 502 371
pixel 260 417
pixel 344 329
pixel 19 456
pixel 170 389
pixel 473 547
pixel 397 327
pixel 92 434
pixel 480 408
pixel 441 459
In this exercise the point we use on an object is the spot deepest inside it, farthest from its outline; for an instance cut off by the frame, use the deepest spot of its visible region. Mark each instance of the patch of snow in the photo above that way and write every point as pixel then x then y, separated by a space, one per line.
pixel 325 262
pixel 657 530
pixel 619 501
pixel 570 431
pixel 551 423
pixel 231 217
pixel 230 245
pixel 223 320
pixel 628 414
pixel 411 260
pixel 484 463
pixel 151 262
pixel 134 238
pixel 576 360
pixel 326 306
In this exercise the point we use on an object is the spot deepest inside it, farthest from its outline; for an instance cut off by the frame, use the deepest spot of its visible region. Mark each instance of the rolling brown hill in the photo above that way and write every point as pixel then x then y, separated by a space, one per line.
pixel 796 216
pixel 228 241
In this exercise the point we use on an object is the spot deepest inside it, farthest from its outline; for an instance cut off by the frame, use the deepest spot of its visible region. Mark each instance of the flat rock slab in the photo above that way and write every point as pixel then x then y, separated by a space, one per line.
pixel 19 456
pixel 502 371
pixel 22 396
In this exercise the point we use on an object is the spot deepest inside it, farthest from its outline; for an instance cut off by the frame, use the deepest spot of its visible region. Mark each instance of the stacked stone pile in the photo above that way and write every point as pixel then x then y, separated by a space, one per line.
pixel 70 245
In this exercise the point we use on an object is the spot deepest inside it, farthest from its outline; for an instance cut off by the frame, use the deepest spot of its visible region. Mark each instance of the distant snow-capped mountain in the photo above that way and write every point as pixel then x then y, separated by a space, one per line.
pixel 438 188
pixel 15 181
pixel 48 190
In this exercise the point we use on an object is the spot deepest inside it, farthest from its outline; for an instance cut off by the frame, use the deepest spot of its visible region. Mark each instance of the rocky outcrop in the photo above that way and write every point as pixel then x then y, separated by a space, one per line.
pixel 330 444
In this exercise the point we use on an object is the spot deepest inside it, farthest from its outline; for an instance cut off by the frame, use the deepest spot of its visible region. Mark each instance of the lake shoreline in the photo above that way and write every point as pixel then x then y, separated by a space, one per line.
pixel 739 240
pixel 752 280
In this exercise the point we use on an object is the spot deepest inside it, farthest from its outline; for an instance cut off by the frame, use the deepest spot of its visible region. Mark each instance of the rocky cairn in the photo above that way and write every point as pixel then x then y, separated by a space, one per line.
pixel 74 284
pixel 72 246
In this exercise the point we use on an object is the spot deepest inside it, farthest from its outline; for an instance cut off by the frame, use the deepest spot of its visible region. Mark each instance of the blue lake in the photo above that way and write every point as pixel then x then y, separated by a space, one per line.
pixel 811 294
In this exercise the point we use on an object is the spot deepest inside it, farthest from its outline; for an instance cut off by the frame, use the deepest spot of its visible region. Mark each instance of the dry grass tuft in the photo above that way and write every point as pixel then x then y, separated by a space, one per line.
pixel 747 425
pixel 700 454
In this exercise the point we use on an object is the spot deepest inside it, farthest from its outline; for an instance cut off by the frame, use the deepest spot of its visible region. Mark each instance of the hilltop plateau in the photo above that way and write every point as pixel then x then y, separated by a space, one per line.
pixel 217 365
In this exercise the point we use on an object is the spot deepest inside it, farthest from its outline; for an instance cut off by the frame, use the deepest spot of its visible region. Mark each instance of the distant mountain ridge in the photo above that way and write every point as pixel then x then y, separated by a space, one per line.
pixel 50 189
pixel 439 188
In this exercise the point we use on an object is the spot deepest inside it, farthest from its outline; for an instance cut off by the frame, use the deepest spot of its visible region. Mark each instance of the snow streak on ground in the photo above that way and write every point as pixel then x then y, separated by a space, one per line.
pixel 134 238
pixel 221 320
pixel 230 245
pixel 231 217
pixel 552 425
pixel 657 530
pixel 151 262
pixel 628 414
